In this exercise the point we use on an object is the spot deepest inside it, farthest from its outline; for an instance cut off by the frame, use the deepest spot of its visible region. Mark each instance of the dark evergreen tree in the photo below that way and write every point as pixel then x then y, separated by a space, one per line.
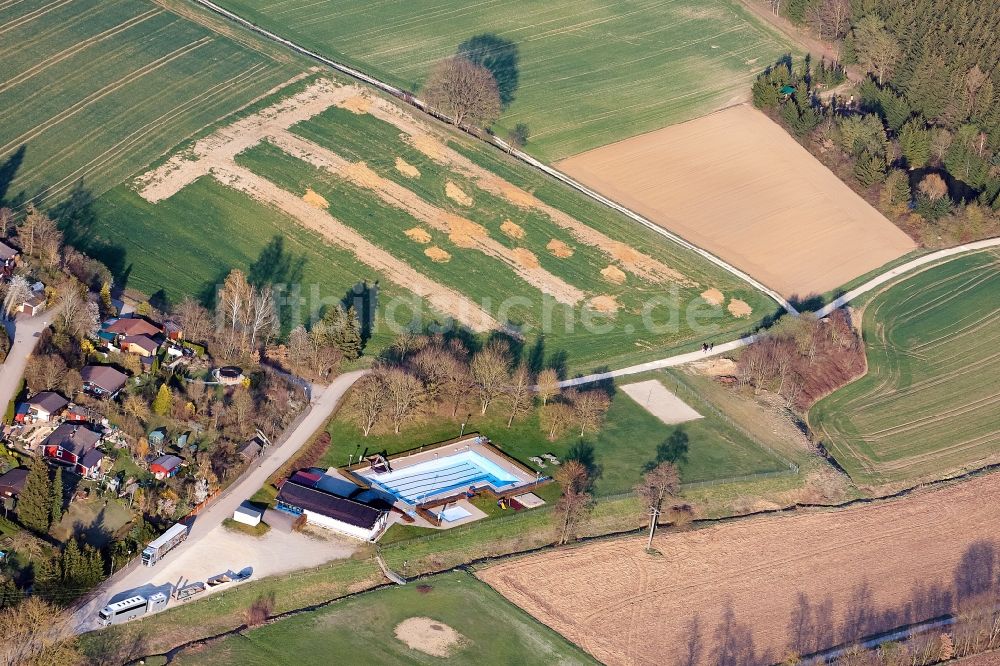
pixel 57 498
pixel 34 505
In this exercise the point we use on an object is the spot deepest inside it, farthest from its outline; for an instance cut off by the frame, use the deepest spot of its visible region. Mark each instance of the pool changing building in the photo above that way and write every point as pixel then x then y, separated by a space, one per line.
pixel 354 518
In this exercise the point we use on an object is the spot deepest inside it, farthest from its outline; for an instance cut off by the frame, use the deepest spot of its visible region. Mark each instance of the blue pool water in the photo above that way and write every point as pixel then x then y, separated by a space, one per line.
pixel 437 477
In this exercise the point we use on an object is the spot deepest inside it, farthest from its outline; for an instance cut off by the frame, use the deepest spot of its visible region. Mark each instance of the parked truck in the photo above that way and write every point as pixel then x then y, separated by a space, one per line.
pixel 133 607
pixel 163 544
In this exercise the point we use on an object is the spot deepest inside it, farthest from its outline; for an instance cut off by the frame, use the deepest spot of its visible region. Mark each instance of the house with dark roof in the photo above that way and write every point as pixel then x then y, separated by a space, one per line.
pixel 69 443
pixel 12 483
pixel 43 406
pixel 89 466
pixel 126 326
pixel 348 516
pixel 138 344
pixel 165 467
pixel 252 449
pixel 102 381
pixel 8 258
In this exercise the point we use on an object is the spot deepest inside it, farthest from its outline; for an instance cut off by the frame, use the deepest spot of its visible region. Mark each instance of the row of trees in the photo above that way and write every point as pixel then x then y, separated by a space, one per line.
pixel 803 358
pixel 426 374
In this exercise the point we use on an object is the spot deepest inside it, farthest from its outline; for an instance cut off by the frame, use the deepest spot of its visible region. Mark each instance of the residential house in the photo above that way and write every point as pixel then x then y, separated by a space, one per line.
pixel 165 467
pixel 252 449
pixel 346 516
pixel 138 344
pixel 43 406
pixel 89 466
pixel 103 381
pixel 128 326
pixel 173 330
pixel 70 443
pixel 33 305
pixel 8 259
pixel 12 483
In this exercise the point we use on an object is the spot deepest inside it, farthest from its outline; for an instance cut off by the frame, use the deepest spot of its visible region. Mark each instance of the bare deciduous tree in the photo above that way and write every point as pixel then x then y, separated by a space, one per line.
pixel 659 483
pixel 490 372
pixel 17 291
pixel 195 320
pixel 575 501
pixel 36 632
pixel 403 393
pixel 464 91
pixel 519 392
pixel 589 408
pixel 556 418
pixel 369 397
pixel 547 385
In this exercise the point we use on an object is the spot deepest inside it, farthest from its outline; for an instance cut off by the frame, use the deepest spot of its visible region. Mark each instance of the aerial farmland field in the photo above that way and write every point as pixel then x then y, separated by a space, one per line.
pixel 930 402
pixel 760 590
pixel 475 236
pixel 93 90
pixel 588 72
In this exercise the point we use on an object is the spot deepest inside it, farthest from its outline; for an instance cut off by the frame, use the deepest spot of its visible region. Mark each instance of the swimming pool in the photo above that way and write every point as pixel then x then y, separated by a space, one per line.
pixel 420 482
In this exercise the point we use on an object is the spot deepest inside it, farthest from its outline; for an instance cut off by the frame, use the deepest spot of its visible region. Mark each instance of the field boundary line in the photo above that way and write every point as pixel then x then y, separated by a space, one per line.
pixel 408 97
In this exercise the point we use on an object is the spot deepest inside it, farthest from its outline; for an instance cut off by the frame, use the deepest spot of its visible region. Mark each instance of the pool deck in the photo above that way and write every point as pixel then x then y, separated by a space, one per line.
pixel 400 461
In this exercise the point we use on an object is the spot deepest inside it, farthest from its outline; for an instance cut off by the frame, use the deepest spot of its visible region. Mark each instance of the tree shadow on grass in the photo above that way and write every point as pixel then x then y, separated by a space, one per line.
pixel 498 55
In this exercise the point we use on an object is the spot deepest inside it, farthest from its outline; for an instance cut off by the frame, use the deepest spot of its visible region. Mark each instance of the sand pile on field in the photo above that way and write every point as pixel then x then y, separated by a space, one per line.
pixel 407 169
pixel 525 258
pixel 463 232
pixel 739 308
pixel 713 296
pixel 437 254
pixel 313 199
pixel 357 104
pixel 606 304
pixel 428 636
pixel 362 174
pixel 418 235
pixel 559 249
pixel 456 194
pixel 513 230
pixel 516 195
pixel 428 145
pixel 613 274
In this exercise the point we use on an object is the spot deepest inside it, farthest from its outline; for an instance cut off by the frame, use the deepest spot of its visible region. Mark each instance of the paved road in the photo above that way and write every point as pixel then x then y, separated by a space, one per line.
pixel 26 333
pixel 143 578
pixel 870 285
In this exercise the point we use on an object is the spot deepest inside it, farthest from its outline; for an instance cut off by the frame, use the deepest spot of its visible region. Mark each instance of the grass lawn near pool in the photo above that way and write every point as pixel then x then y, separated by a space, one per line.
pixel 589 73
pixel 626 441
pixel 361 630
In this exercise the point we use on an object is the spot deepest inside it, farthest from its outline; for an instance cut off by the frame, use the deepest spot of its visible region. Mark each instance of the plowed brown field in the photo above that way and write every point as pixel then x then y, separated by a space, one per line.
pixel 736 184
pixel 752 591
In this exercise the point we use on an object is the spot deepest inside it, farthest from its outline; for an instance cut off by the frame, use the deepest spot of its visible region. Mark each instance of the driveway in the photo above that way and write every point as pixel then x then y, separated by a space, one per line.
pixel 202 544
pixel 26 333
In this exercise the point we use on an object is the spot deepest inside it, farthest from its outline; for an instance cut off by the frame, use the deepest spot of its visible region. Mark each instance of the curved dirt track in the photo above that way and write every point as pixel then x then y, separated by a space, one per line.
pixel 764 587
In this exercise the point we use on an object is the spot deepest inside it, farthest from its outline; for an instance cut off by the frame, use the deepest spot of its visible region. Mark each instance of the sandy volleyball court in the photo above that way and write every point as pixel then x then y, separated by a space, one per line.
pixel 758 589
pixel 656 399
pixel 736 184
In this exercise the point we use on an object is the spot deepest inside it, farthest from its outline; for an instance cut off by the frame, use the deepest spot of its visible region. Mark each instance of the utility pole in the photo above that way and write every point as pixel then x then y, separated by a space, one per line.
pixel 654 514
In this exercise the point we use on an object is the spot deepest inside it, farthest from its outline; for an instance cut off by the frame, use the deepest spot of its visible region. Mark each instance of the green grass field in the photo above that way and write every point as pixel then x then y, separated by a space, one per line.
pixel 93 90
pixel 627 440
pixel 361 630
pixel 590 72
pixel 930 402
pixel 163 248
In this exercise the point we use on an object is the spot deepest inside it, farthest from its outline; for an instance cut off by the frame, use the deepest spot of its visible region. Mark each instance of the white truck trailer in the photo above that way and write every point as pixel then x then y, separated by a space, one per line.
pixel 163 544
pixel 133 607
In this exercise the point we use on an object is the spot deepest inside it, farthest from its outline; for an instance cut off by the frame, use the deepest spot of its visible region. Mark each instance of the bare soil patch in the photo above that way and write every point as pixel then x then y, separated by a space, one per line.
pixel 418 235
pixel 512 229
pixel 314 199
pixel 613 274
pixel 771 585
pixel 428 636
pixel 437 254
pixel 526 257
pixel 739 308
pixel 559 249
pixel 358 104
pixel 738 185
pixel 407 169
pixel 456 194
pixel 605 304
pixel 713 296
